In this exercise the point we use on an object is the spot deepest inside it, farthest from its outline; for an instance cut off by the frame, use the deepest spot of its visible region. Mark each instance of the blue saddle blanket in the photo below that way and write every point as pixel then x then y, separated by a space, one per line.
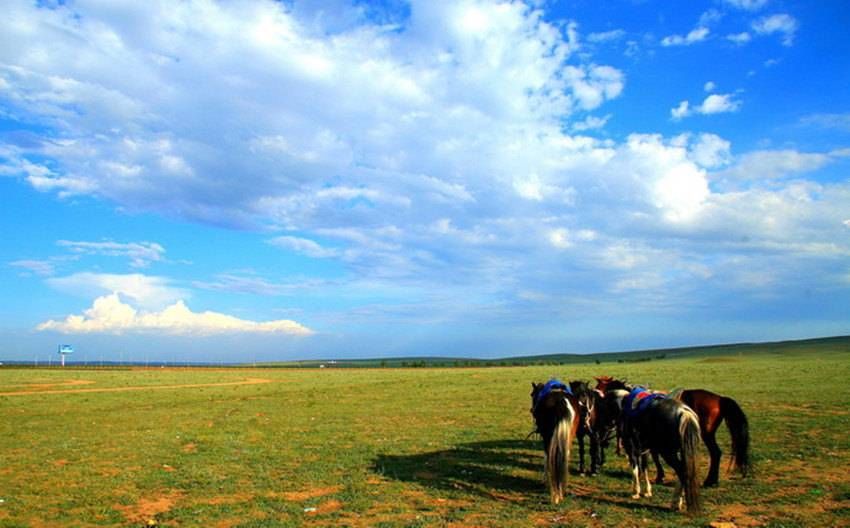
pixel 552 384
pixel 639 400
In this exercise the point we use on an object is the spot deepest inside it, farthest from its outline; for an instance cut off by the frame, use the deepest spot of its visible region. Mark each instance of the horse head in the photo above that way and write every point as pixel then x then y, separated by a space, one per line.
pixel 602 382
pixel 606 383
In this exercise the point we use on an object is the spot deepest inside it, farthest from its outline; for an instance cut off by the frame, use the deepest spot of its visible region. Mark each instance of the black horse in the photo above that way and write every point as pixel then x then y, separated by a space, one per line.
pixel 712 409
pixel 653 423
pixel 556 417
pixel 598 421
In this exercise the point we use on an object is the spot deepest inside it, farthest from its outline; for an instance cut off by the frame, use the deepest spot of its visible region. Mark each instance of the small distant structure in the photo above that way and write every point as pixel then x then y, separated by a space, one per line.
pixel 64 350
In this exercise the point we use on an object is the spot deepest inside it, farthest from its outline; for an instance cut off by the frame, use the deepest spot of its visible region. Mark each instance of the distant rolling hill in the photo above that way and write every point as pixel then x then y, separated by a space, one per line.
pixel 805 346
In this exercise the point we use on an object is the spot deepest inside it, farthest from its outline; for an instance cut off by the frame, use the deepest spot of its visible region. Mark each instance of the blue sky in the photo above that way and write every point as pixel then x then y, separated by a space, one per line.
pixel 261 180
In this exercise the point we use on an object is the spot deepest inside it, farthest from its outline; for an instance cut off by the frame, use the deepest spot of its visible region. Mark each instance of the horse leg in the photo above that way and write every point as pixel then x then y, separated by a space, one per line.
pixel 645 468
pixel 714 452
pixel 619 443
pixel 678 503
pixel 581 453
pixel 594 453
pixel 659 469
pixel 602 446
pixel 635 463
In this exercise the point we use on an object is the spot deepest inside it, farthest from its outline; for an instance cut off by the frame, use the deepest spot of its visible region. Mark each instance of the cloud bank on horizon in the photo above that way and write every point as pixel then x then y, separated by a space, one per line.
pixel 420 165
pixel 108 314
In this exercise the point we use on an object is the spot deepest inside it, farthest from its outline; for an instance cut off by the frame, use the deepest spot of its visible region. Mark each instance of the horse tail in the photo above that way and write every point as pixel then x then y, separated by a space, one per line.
pixel 739 430
pixel 690 437
pixel 558 456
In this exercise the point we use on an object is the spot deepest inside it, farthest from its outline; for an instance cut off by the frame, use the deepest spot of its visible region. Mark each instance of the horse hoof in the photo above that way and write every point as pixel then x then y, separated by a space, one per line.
pixel 636 496
pixel 648 494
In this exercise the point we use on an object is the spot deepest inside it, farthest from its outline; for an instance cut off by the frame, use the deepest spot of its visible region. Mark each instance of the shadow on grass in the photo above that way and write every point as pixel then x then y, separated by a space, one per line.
pixel 483 468
pixel 507 470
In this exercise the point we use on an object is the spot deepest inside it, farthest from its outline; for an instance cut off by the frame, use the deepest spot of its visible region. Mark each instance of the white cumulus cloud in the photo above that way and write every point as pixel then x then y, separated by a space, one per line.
pixel 739 38
pixel 774 164
pixel 713 104
pixel 108 314
pixel 718 104
pixel 149 292
pixel 784 24
pixel 695 35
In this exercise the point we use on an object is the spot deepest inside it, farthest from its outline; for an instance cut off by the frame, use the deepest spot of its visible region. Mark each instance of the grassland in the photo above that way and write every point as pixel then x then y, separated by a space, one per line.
pixel 394 447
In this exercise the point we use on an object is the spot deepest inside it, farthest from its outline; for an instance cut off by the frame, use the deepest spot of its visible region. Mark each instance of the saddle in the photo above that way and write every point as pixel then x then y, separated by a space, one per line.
pixel 639 400
pixel 550 386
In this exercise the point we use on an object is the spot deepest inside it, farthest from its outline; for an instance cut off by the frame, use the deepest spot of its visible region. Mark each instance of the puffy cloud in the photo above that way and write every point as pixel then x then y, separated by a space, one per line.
pixel 711 151
pixel 108 314
pixel 402 108
pixel 677 186
pixel 718 104
pixel 437 155
pixel 774 164
pixel 739 38
pixel 781 23
pixel 591 123
pixel 683 110
pixel 695 35
pixel 592 85
pixel 713 104
pixel 149 292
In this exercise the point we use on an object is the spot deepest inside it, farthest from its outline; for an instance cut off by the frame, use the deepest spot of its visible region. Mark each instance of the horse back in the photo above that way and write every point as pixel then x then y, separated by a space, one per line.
pixel 705 404
pixel 556 406
pixel 657 427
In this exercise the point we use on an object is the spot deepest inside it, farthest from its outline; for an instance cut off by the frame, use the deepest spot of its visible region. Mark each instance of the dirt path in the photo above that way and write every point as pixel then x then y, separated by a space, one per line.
pixel 42 386
pixel 247 381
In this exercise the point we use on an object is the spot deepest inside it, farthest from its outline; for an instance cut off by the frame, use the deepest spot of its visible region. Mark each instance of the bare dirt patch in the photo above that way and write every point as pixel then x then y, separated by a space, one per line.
pixel 737 515
pixel 39 386
pixel 247 381
pixel 235 498
pixel 147 509
pixel 298 496
pixel 326 507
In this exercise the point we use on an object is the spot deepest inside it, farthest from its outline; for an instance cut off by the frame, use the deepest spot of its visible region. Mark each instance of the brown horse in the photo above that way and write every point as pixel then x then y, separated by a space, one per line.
pixel 556 417
pixel 711 409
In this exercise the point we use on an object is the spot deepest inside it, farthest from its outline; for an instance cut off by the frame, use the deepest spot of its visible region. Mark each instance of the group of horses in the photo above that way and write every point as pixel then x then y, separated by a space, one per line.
pixel 643 423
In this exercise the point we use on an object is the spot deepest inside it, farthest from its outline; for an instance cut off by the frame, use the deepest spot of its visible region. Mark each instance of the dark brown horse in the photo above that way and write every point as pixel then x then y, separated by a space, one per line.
pixel 556 417
pixel 711 410
pixel 598 422
pixel 666 427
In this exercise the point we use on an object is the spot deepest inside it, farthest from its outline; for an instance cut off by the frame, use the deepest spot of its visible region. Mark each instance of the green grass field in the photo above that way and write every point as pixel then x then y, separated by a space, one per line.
pixel 394 447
